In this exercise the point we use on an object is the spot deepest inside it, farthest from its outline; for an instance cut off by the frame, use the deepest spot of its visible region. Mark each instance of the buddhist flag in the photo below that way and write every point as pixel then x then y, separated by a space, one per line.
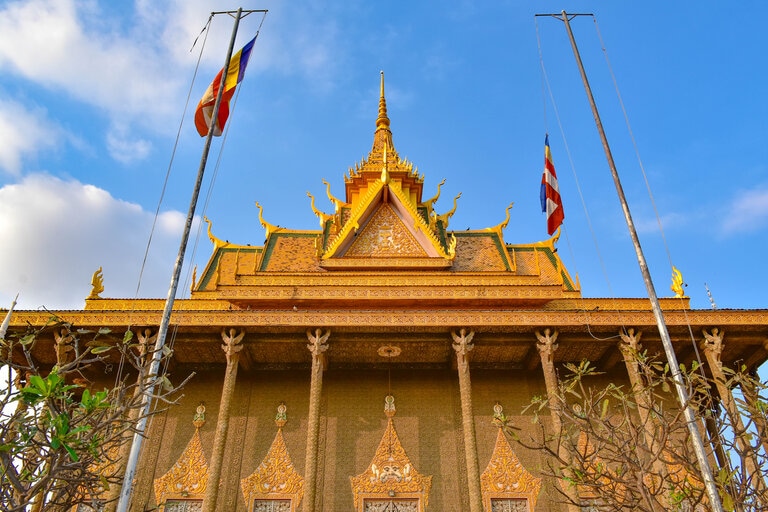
pixel 235 73
pixel 551 203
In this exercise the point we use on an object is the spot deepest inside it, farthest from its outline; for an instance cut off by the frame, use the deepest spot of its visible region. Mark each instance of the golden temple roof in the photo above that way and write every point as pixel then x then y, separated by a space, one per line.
pixel 383 225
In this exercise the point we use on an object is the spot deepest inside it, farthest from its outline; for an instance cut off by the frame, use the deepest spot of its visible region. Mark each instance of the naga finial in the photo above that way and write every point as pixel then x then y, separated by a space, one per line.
pixel 270 228
pixel 337 203
pixel 677 283
pixel 429 203
pixel 503 225
pixel 447 215
pixel 324 217
pixel 97 285
pixel 217 242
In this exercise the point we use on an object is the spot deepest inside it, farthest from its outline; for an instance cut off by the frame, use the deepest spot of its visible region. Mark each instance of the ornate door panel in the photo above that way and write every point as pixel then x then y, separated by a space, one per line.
pixel 391 505
pixel 509 505
pixel 183 506
pixel 272 506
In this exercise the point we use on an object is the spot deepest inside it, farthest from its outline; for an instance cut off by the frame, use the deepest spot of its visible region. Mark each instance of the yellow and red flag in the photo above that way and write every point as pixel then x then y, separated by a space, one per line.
pixel 235 73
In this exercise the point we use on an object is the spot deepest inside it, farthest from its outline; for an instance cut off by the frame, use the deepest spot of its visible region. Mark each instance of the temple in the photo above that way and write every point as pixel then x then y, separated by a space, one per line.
pixel 360 366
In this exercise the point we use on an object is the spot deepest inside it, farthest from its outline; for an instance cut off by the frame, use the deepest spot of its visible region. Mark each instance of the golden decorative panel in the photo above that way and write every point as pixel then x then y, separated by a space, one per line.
pixel 506 478
pixel 385 235
pixel 275 480
pixel 390 474
pixel 187 479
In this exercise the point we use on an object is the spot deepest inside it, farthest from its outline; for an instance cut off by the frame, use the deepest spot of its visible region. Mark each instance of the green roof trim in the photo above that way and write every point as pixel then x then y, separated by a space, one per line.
pixel 496 240
pixel 214 262
pixel 567 283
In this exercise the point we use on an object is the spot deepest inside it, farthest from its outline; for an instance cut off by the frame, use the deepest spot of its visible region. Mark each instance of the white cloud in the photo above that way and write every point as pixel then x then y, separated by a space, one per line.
pixel 126 148
pixel 23 133
pixel 57 233
pixel 748 212
pixel 70 46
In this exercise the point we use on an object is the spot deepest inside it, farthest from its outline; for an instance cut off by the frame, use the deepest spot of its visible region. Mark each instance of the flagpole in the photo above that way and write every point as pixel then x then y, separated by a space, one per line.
pixel 682 394
pixel 138 436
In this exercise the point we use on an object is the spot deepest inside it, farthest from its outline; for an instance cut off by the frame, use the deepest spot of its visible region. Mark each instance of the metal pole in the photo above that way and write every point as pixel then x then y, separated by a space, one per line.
pixel 138 436
pixel 682 394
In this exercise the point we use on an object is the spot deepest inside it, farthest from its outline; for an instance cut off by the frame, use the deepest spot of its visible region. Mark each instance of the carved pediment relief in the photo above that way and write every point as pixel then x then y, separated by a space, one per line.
pixel 187 479
pixel 391 474
pixel 275 481
pixel 505 478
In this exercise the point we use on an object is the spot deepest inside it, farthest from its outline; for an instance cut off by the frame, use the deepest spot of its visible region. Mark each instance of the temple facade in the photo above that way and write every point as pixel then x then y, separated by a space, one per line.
pixel 359 367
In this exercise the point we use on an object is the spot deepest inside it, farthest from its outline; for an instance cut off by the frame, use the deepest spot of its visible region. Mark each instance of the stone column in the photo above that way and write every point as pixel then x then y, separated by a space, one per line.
pixel 630 348
pixel 751 396
pixel 231 348
pixel 462 344
pixel 547 346
pixel 146 339
pixel 713 349
pixel 317 346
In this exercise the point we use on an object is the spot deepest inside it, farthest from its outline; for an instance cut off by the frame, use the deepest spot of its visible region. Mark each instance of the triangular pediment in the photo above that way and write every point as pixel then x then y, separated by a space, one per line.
pixel 391 471
pixel 386 230
pixel 386 234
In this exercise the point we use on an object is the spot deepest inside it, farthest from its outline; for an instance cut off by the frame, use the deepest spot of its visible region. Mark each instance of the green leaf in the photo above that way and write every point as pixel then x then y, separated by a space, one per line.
pixel 105 330
pixel 100 350
pixel 27 339
pixel 128 336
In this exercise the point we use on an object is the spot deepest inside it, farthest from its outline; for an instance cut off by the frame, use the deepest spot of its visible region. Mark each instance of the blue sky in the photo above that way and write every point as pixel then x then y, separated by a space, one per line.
pixel 91 97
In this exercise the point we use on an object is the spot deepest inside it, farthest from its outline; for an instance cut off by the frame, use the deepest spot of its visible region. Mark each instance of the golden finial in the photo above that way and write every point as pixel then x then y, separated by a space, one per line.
pixel 384 169
pixel 382 121
pixel 382 136
pixel 199 419
pixel 677 283
pixel 281 417
pixel 97 285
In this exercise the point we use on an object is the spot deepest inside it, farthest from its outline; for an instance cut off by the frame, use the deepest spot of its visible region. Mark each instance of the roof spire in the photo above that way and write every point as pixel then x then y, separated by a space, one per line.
pixel 382 138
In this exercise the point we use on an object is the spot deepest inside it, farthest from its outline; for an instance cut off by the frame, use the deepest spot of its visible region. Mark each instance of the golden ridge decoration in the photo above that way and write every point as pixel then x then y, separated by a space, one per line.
pixel 97 285
pixel 353 222
pixel 217 242
pixel 677 283
pixel 275 478
pixel 444 218
pixel 419 223
pixel 187 479
pixel 390 473
pixel 505 477
pixel 270 228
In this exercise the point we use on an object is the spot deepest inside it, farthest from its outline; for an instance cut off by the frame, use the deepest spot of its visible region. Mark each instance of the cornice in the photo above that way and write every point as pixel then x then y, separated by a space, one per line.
pixel 377 319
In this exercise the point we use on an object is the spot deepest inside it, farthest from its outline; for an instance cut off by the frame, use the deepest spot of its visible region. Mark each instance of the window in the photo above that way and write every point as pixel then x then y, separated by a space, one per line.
pixel 183 506
pixel 509 505
pixel 391 505
pixel 271 505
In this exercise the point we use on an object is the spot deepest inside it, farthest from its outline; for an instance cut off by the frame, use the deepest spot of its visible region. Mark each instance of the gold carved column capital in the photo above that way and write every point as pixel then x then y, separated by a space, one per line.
pixel 713 342
pixel 232 346
pixel 629 344
pixel 546 344
pixel 462 344
pixel 64 340
pixel 318 344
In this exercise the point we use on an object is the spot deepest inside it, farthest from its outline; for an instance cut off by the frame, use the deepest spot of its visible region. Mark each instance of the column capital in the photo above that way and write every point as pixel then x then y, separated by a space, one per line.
pixel 318 341
pixel 546 344
pixel 713 343
pixel 462 344
pixel 630 341
pixel 146 339
pixel 64 339
pixel 232 346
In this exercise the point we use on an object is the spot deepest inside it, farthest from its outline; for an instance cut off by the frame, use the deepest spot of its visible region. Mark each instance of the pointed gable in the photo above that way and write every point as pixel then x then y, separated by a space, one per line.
pixel 391 472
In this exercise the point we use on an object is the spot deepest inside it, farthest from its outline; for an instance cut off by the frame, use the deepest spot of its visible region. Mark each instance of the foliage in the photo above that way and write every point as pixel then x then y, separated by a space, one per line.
pixel 617 448
pixel 60 436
